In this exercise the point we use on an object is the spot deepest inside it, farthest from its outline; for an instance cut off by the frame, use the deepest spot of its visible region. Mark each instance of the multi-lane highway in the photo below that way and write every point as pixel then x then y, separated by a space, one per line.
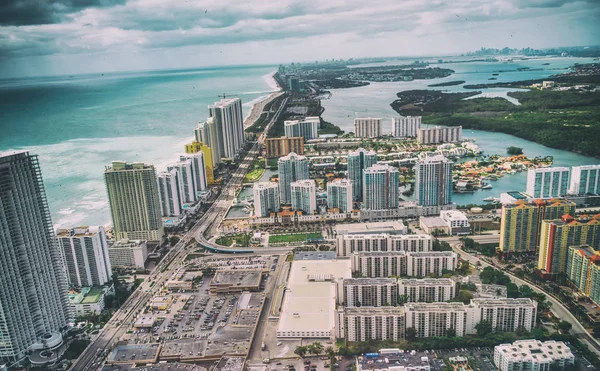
pixel 93 356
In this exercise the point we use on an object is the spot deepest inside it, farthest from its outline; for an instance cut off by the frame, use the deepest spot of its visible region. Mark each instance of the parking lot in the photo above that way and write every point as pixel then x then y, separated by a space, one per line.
pixel 482 358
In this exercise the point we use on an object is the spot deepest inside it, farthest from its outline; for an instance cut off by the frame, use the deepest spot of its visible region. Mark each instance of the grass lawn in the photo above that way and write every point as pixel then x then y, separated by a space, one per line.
pixel 298 237
pixel 93 296
pixel 253 175
pixel 243 240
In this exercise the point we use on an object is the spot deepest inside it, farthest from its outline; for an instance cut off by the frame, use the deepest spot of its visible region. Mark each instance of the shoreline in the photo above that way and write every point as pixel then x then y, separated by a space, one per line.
pixel 258 106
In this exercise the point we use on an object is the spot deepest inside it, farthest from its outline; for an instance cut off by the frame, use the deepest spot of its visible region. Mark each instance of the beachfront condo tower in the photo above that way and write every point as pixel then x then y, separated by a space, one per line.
pixel 229 124
pixel 33 295
pixel 304 196
pixel 585 180
pixel 266 198
pixel 85 255
pixel 291 168
pixel 171 203
pixel 367 127
pixel 557 235
pixel 433 185
pixel 521 223
pixel 209 164
pixel 406 126
pixel 134 201
pixel 380 187
pixel 548 182
pixel 307 128
pixel 357 162
pixel 207 133
pixel 339 195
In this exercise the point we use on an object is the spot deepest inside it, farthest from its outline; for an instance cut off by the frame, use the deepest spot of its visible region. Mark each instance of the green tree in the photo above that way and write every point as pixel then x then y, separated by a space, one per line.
pixel 450 332
pixel 315 348
pixel 483 328
pixel 402 299
pixel 330 351
pixel 173 240
pixel 411 334
pixel 465 296
pixel 514 151
pixel 301 351
pixel 565 326
pixel 521 331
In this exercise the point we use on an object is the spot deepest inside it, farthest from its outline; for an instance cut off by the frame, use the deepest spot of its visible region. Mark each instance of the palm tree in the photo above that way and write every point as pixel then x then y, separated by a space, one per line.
pixel 317 348
pixel 330 351
pixel 301 351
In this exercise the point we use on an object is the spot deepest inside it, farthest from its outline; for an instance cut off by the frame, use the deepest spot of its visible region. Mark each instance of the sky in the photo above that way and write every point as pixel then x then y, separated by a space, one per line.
pixel 56 37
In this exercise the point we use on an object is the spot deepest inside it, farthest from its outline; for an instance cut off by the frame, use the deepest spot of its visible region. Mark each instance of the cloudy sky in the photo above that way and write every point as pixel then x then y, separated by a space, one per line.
pixel 42 37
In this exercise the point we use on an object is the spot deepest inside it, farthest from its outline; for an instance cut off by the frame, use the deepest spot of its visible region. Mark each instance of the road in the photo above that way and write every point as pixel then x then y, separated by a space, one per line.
pixel 557 307
pixel 124 317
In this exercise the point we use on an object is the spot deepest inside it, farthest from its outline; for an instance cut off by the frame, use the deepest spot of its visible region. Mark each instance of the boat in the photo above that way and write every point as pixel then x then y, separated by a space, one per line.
pixel 491 199
pixel 487 186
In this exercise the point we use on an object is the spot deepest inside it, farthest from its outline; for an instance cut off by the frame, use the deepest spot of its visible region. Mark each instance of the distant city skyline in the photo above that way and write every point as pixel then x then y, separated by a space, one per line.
pixel 63 37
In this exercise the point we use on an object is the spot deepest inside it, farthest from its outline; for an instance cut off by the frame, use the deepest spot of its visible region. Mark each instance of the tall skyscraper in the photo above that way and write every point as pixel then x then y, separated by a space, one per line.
pixel 291 168
pixel 229 122
pixel 380 187
pixel 209 164
pixel 171 203
pixel 433 185
pixel 583 270
pixel 185 180
pixel 304 196
pixel 33 293
pixel 406 126
pixel 198 171
pixel 308 129
pixel 521 223
pixel 548 182
pixel 357 162
pixel 339 195
pixel 585 180
pixel 134 202
pixel 367 127
pixel 207 133
pixel 556 235
pixel 266 198
pixel 277 147
pixel 85 254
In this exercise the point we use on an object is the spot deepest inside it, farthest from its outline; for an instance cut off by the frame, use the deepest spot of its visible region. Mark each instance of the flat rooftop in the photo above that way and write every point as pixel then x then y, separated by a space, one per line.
pixel 393 358
pixel 433 222
pixel 230 364
pixel 432 307
pixel 93 295
pixel 157 367
pixel 392 227
pixel 427 282
pixel 142 353
pixel 370 281
pixel 309 302
pixel 504 302
pixel 237 277
pixel 315 255
pixel 369 311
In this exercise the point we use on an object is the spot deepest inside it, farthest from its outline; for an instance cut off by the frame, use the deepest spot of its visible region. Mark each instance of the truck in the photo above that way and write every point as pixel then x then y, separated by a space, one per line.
pixel 263 346
pixel 266 360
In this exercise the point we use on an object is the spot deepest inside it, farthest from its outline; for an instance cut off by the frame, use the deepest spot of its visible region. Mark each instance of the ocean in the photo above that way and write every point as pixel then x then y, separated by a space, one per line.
pixel 79 124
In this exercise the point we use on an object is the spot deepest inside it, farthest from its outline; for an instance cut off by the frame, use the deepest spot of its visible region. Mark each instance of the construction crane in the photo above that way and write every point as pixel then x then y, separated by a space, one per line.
pixel 224 96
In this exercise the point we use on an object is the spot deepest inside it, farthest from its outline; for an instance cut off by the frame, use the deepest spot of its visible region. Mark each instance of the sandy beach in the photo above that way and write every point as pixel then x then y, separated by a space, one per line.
pixel 257 108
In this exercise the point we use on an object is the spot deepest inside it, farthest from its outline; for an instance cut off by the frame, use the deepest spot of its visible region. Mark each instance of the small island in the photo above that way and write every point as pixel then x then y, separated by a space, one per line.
pixel 449 83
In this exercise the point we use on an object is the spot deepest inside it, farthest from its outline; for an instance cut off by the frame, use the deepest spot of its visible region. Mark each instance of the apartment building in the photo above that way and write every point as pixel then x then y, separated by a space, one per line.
pixel 368 292
pixel 367 127
pixel 279 147
pixel 531 354
pixel 370 323
pixel 347 244
pixel 506 315
pixel 435 319
pixel 427 290
pixel 583 270
pixel 439 135
pixel 585 180
pixel 401 263
pixel 406 126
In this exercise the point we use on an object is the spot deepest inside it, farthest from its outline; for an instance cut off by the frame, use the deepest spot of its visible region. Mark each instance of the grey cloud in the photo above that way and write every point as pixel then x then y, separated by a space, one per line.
pixel 550 3
pixel 37 12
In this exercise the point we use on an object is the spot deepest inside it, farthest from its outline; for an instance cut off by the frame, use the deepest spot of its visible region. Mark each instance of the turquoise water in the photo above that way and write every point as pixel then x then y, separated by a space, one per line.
pixel 79 124
pixel 374 101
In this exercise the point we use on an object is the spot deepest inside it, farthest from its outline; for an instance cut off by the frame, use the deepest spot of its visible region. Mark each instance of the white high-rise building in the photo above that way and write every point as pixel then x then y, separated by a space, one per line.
pixel 358 161
pixel 128 254
pixel 291 168
pixel 435 319
pixel 185 178
pixel 134 201
pixel 372 323
pixel 171 203
pixel 198 171
pixel 339 195
pixel 531 354
pixel 266 198
pixel 548 182
pixel 433 184
pixel 85 255
pixel 307 128
pixel 505 315
pixel 368 292
pixel 229 121
pixel 367 127
pixel 585 180
pixel 401 263
pixel 33 294
pixel 207 133
pixel 439 135
pixel 380 187
pixel 406 126
pixel 427 290
pixel 347 244
pixel 304 196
